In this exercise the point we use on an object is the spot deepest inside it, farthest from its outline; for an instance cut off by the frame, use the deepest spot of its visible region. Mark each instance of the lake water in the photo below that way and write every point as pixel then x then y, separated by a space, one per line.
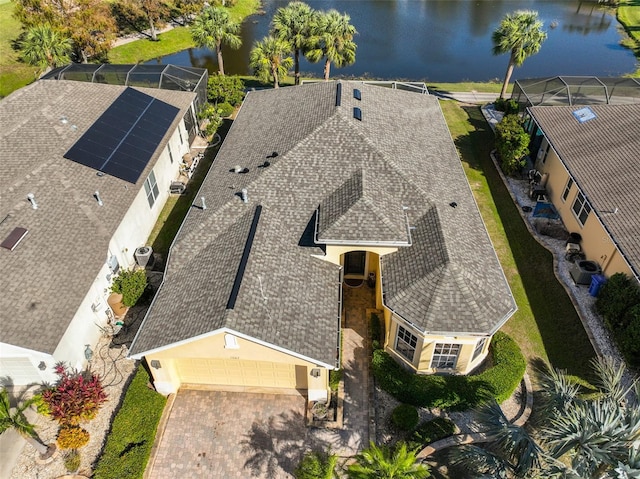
pixel 447 40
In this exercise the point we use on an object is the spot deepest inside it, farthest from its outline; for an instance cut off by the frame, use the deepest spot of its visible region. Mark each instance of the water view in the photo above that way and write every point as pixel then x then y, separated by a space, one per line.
pixel 447 40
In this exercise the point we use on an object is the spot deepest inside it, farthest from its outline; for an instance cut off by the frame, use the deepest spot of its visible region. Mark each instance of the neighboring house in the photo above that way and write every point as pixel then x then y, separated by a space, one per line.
pixel 591 156
pixel 66 228
pixel 315 185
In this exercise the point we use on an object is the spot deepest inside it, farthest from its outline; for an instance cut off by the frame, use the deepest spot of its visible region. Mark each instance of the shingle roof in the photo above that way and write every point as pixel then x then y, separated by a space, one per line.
pixel 602 155
pixel 47 276
pixel 401 153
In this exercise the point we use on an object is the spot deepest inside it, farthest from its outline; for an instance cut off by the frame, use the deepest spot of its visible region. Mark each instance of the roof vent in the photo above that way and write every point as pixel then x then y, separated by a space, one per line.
pixel 266 164
pixel 32 199
pixel 453 204
pixel 338 94
pixel 244 195
pixel 240 169
pixel 96 195
pixel 14 238
pixel 273 155
pixel 357 113
pixel 356 94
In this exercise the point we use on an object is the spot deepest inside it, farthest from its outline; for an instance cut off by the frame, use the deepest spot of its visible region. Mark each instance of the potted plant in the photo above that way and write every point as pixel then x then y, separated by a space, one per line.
pixel 320 409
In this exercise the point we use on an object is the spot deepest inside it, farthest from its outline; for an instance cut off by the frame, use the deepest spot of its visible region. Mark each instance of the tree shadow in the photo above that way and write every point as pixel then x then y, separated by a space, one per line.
pixel 278 444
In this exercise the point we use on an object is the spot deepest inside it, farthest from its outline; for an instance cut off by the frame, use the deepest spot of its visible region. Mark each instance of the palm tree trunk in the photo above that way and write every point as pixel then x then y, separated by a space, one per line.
pixel 220 62
pixel 297 67
pixel 507 77
pixel 274 72
pixel 152 28
pixel 327 70
pixel 37 444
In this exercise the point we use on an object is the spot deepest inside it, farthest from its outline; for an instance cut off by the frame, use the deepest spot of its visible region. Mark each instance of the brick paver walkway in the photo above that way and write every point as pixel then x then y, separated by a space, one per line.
pixel 217 434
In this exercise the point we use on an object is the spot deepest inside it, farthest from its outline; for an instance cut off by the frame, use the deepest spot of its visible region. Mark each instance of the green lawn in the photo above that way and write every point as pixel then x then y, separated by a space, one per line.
pixel 628 13
pixel 13 73
pixel 546 324
pixel 172 41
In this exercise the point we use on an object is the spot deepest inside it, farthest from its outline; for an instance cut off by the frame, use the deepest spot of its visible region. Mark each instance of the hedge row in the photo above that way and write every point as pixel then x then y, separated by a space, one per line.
pixel 133 431
pixel 456 393
pixel 431 431
pixel 619 304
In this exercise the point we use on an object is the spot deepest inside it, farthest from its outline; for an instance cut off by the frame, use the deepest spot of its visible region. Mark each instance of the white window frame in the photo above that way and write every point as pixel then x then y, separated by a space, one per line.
pixel 151 188
pixel 406 343
pixel 180 133
pixel 567 189
pixel 479 348
pixel 581 208
pixel 447 357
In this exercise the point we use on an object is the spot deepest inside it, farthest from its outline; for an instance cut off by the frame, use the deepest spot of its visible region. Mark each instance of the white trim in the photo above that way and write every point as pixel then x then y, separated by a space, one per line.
pixel 235 333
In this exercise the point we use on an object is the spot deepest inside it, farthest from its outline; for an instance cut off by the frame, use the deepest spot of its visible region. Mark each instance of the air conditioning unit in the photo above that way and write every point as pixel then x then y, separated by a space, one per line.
pixel 142 255
pixel 582 271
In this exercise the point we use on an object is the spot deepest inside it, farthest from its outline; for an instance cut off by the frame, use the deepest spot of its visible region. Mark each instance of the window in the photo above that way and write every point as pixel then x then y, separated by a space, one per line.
pixel 581 208
pixel 406 343
pixel 170 153
pixel 445 355
pixel 479 348
pixel 151 187
pixel 567 189
pixel 180 133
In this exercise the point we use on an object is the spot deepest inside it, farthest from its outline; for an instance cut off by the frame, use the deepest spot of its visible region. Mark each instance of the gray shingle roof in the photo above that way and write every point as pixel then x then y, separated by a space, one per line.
pixel 401 154
pixel 46 277
pixel 602 155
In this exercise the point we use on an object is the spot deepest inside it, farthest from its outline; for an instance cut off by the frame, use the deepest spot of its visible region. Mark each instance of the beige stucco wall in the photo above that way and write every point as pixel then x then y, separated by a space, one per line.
pixel 334 253
pixel 167 378
pixel 597 245
pixel 425 347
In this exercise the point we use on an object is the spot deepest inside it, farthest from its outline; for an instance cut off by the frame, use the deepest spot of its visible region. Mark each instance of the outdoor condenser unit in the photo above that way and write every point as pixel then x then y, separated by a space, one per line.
pixel 142 255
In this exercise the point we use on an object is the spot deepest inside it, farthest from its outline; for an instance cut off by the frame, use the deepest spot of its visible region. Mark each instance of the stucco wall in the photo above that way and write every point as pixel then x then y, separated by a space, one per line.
pixel 597 245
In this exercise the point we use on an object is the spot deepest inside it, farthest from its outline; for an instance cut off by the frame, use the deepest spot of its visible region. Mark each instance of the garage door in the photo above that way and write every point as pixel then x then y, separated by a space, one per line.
pixel 20 370
pixel 230 372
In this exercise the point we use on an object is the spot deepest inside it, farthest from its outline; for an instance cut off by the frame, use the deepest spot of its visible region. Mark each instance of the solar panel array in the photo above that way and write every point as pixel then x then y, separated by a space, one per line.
pixel 122 141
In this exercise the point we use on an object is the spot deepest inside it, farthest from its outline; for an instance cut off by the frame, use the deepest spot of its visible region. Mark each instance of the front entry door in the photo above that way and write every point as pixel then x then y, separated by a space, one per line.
pixel 354 264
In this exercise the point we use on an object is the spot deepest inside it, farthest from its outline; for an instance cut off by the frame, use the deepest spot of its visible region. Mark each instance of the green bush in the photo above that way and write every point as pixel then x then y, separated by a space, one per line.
pixel 454 392
pixel 130 284
pixel 334 379
pixel 72 437
pixel 72 461
pixel 225 109
pixel 133 431
pixel 509 107
pixel 617 296
pixel 405 417
pixel 376 330
pixel 225 89
pixel 315 465
pixel 431 431
pixel 512 143
pixel 629 338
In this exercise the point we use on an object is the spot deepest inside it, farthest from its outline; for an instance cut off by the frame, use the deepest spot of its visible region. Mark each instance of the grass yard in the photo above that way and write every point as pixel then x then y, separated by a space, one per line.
pixel 172 41
pixel 546 324
pixel 486 87
pixel 628 13
pixel 13 73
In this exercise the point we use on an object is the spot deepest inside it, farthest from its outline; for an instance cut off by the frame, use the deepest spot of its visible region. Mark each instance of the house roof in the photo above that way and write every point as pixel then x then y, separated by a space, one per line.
pixel 601 155
pixel 46 277
pixel 374 179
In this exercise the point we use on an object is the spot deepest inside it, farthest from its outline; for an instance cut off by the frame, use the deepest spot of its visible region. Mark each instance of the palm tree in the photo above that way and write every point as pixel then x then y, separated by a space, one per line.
pixel 332 39
pixel 293 24
pixel 270 61
pixel 581 431
pixel 17 421
pixel 214 28
pixel 385 463
pixel 45 47
pixel 317 465
pixel 520 34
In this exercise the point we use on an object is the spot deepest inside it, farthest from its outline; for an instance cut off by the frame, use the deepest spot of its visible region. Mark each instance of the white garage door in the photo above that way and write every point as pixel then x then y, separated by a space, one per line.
pixel 230 372
pixel 20 370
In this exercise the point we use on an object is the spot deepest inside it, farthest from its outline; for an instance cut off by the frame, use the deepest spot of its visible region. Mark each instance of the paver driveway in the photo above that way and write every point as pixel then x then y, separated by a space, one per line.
pixel 219 434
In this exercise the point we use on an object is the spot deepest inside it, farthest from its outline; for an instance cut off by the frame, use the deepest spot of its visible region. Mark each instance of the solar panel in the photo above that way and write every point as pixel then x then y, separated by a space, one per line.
pixel 122 141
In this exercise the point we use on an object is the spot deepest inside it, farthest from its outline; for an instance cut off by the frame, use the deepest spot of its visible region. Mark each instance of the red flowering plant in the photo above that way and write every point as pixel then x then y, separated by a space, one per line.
pixel 76 396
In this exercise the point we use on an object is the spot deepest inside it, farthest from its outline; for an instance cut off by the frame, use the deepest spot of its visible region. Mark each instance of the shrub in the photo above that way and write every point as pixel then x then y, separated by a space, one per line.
pixel 225 89
pixel 133 431
pixel 225 109
pixel 512 143
pixel 405 417
pixel 454 392
pixel 40 404
pixel 130 284
pixel 211 114
pixel 376 331
pixel 316 465
pixel 72 437
pixel 629 337
pixel 75 397
pixel 431 431
pixel 334 379
pixel 509 107
pixel 72 461
pixel 619 294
